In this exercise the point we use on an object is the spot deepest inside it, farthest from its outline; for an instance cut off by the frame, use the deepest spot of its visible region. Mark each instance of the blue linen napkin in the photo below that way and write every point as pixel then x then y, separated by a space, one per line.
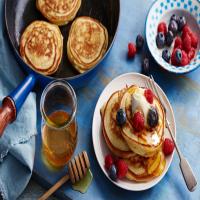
pixel 17 145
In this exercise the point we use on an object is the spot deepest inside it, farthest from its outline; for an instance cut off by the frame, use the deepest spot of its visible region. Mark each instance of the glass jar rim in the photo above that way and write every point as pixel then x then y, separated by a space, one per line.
pixel 50 86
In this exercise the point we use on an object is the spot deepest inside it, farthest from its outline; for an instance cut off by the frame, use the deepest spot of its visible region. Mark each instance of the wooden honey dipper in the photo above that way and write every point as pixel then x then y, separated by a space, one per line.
pixel 77 168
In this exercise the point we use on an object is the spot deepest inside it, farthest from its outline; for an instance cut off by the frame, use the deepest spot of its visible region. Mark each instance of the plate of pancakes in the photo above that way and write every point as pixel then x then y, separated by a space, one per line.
pixel 142 150
pixel 61 38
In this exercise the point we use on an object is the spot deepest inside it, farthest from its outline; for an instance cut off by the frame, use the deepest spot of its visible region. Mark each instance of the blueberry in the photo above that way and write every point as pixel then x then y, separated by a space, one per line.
pixel 166 55
pixel 169 38
pixel 175 18
pixel 181 23
pixel 152 117
pixel 139 42
pixel 178 56
pixel 121 117
pixel 145 66
pixel 113 172
pixel 173 26
pixel 160 40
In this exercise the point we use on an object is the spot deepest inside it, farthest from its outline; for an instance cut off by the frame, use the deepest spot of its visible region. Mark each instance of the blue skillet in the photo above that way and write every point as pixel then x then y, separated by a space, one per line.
pixel 18 15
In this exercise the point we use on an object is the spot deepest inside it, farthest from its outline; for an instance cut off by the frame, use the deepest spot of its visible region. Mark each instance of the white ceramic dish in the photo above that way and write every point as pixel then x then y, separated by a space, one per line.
pixel 161 11
pixel 100 147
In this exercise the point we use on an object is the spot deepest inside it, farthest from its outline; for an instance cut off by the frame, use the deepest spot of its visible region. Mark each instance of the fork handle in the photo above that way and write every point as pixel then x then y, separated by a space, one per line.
pixel 188 174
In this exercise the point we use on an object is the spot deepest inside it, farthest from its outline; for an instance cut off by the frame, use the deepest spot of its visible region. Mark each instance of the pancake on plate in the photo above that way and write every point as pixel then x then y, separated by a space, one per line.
pixel 143 169
pixel 111 131
pixel 87 43
pixel 59 12
pixel 41 47
pixel 140 149
pixel 148 141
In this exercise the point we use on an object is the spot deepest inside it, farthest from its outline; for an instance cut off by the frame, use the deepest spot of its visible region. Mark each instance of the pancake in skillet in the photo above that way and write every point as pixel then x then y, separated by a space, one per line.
pixel 111 131
pixel 87 43
pixel 59 12
pixel 41 47
pixel 148 141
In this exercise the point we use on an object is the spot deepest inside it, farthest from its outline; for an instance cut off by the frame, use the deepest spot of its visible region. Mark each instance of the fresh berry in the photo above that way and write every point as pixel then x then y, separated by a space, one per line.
pixel 145 66
pixel 160 40
pixel 122 169
pixel 168 146
pixel 173 58
pixel 149 95
pixel 121 117
pixel 108 161
pixel 175 18
pixel 166 55
pixel 131 50
pixel 194 40
pixel 178 42
pixel 113 172
pixel 187 43
pixel 139 42
pixel 152 117
pixel 138 121
pixel 191 54
pixel 178 56
pixel 186 30
pixel 184 60
pixel 169 38
pixel 173 27
pixel 162 27
pixel 181 23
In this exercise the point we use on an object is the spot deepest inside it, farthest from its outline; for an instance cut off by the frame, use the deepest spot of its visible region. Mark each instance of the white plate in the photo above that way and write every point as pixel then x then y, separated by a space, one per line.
pixel 100 147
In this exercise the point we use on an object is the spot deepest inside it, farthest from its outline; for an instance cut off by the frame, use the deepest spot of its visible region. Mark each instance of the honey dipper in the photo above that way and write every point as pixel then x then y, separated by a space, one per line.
pixel 77 168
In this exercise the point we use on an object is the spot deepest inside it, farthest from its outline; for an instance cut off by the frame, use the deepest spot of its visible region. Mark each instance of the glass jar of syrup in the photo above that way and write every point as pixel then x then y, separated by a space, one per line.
pixel 58 107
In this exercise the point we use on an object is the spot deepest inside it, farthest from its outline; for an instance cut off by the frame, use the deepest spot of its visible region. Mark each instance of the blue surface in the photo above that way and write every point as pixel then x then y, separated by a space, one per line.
pixel 183 92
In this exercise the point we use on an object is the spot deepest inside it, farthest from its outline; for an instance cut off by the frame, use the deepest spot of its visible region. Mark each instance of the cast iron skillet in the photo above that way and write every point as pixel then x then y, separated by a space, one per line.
pixel 18 15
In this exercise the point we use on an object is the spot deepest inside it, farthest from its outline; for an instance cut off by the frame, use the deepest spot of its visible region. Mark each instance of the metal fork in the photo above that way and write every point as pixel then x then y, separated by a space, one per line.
pixel 186 170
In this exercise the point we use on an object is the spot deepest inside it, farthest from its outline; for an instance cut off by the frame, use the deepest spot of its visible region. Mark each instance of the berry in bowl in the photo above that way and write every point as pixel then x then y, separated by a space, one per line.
pixel 172 34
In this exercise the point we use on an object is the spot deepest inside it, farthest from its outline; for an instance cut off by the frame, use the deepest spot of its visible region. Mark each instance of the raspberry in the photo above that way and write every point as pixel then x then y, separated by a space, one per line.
pixel 131 50
pixel 187 43
pixel 138 121
pixel 162 27
pixel 173 58
pixel 122 168
pixel 108 161
pixel 178 42
pixel 194 40
pixel 149 95
pixel 186 30
pixel 168 146
pixel 184 60
pixel 191 54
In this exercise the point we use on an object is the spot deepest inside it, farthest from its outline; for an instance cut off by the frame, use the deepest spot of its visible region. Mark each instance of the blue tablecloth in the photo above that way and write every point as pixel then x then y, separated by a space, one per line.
pixel 183 93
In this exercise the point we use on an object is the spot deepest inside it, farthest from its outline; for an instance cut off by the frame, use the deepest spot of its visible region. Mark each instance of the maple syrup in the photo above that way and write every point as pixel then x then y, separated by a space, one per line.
pixel 58 144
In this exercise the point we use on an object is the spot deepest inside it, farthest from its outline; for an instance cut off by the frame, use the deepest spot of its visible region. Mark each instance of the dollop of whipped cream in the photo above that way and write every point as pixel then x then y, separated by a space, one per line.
pixel 139 103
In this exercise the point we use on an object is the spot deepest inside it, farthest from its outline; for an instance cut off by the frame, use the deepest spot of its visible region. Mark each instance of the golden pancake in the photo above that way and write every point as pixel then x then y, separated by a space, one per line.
pixel 111 131
pixel 59 12
pixel 142 169
pixel 148 141
pixel 87 43
pixel 41 47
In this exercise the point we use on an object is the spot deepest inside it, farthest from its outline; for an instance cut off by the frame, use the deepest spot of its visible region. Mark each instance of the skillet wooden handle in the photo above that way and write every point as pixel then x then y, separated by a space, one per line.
pixel 7 113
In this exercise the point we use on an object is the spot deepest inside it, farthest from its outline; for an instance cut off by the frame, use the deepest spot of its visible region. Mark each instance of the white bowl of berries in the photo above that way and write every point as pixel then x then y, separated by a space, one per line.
pixel 173 34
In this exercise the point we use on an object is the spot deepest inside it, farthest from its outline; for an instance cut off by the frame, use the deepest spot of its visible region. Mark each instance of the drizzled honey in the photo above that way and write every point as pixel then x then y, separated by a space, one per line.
pixel 58 144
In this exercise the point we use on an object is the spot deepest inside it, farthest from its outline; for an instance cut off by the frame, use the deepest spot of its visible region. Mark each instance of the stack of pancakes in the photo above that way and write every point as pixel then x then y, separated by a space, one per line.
pixel 41 44
pixel 141 150
pixel 87 43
